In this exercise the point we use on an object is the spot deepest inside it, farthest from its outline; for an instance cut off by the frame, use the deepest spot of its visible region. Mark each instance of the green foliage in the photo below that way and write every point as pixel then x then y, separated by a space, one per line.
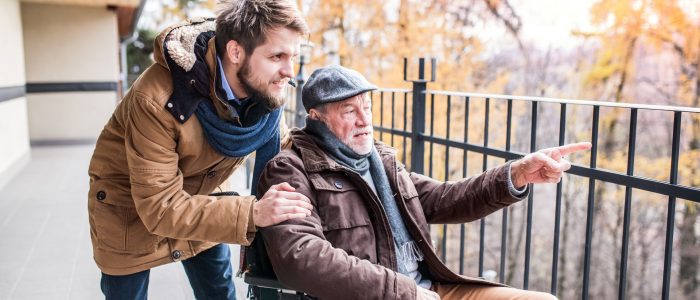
pixel 139 54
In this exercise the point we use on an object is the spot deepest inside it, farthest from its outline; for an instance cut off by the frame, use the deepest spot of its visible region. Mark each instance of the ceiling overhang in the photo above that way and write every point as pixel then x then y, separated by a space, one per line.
pixel 126 3
pixel 128 11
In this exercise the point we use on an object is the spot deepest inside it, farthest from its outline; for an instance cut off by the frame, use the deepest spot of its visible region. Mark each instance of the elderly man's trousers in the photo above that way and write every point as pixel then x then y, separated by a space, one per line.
pixel 478 291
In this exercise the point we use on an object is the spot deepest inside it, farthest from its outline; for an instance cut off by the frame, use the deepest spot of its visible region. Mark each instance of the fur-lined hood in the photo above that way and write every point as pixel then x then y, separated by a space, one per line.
pixel 188 51
pixel 179 40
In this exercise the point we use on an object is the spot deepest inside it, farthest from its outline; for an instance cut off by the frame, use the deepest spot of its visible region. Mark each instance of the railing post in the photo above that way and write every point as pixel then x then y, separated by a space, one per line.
pixel 420 86
pixel 300 112
pixel 304 58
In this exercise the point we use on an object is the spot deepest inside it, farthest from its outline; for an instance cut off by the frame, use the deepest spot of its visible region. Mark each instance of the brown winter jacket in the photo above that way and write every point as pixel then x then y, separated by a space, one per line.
pixel 344 250
pixel 152 168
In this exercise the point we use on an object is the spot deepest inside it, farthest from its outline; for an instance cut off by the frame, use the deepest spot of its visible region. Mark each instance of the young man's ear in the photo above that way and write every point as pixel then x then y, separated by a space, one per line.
pixel 234 52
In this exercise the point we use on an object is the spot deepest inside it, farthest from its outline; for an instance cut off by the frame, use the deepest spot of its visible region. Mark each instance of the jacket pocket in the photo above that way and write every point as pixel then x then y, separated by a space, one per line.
pixel 119 229
pixel 213 177
pixel 349 231
pixel 410 197
pixel 344 216
pixel 405 184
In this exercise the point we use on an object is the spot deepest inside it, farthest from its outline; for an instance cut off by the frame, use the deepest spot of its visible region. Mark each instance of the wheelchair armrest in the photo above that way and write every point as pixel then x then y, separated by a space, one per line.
pixel 266 288
pixel 265 282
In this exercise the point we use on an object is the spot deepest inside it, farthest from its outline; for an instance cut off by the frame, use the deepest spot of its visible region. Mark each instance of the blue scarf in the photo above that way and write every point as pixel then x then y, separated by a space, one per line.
pixel 235 141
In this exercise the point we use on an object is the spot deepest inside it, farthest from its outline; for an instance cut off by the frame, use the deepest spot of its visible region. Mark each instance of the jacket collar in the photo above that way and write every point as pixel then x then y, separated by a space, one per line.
pixel 316 160
pixel 188 50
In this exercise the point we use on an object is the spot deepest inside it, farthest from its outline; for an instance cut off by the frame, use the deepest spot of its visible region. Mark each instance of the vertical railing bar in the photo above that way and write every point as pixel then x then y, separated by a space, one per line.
pixel 462 229
pixel 482 233
pixel 484 166
pixel 405 128
pixel 432 133
pixel 591 203
pixel 418 114
pixel 504 217
pixel 248 174
pixel 466 134
pixel 405 71
pixel 443 255
pixel 528 231
pixel 421 68
pixel 447 137
pixel 557 212
pixel 381 114
pixel 670 218
pixel 393 116
pixel 487 109
pixel 446 173
pixel 622 284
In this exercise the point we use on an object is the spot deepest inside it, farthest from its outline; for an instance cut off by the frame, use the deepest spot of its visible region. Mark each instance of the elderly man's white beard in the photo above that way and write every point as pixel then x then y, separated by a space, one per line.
pixel 360 147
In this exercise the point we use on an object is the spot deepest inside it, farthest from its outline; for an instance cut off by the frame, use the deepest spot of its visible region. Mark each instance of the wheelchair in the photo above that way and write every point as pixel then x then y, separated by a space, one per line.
pixel 256 270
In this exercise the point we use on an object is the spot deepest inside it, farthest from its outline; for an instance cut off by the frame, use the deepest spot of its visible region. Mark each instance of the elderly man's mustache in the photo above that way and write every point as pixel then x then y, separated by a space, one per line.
pixel 366 130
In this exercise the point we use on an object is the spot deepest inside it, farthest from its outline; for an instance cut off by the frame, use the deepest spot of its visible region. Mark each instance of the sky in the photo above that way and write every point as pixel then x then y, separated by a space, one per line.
pixel 545 23
pixel 551 21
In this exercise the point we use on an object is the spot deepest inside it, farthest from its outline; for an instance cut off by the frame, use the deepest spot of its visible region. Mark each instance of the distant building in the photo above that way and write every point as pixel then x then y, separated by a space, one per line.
pixel 61 72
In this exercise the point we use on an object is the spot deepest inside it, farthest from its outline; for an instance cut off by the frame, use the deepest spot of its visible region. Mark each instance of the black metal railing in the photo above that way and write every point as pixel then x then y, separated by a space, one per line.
pixel 629 181
pixel 407 127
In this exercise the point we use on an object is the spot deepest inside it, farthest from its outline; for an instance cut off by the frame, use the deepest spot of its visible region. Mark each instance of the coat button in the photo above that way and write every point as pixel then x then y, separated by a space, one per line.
pixel 170 105
pixel 182 117
pixel 176 255
pixel 338 184
pixel 192 82
pixel 211 174
pixel 101 195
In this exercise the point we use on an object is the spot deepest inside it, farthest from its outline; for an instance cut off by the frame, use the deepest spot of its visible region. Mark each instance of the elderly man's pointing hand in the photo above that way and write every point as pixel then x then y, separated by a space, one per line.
pixel 544 166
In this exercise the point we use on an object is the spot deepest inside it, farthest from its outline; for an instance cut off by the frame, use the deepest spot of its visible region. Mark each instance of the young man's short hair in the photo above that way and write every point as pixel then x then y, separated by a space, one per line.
pixel 248 21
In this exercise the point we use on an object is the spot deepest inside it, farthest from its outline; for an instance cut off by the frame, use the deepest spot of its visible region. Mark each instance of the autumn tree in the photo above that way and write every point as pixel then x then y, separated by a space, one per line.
pixel 631 33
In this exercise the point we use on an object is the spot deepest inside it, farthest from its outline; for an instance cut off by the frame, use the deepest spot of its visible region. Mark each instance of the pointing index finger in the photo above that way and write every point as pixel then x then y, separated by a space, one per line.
pixel 571 148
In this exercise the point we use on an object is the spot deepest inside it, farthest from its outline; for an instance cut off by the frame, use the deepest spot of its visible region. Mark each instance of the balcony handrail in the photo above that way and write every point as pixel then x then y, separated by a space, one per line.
pixel 558 100
pixel 395 90
pixel 424 100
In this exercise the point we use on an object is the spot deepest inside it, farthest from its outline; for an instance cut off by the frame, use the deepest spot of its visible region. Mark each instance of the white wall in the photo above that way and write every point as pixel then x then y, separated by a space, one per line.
pixel 14 138
pixel 72 116
pixel 69 44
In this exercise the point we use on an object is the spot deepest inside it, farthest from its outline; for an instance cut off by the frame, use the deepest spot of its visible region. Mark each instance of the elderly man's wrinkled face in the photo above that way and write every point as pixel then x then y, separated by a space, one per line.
pixel 350 120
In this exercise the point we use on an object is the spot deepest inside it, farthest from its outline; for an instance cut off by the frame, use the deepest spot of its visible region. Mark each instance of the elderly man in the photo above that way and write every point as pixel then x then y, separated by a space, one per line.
pixel 368 237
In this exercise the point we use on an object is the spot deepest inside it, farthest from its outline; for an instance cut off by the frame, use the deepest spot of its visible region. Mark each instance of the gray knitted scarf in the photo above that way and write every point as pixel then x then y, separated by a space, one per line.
pixel 370 167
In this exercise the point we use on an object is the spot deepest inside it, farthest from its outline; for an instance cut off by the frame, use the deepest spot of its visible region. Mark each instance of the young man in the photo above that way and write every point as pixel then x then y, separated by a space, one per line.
pixel 367 236
pixel 212 98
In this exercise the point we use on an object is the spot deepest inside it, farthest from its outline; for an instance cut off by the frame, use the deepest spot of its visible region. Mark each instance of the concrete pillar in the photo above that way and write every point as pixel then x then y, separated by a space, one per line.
pixel 72 71
pixel 14 137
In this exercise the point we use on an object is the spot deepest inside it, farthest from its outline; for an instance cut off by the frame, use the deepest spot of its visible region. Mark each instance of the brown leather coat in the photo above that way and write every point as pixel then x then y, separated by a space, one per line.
pixel 344 250
pixel 151 171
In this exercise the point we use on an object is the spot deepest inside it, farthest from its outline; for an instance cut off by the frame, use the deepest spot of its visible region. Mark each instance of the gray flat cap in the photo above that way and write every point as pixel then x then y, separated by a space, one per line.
pixel 331 84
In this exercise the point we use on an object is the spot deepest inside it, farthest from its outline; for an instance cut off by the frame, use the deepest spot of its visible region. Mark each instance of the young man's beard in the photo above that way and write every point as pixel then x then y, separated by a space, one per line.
pixel 272 102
